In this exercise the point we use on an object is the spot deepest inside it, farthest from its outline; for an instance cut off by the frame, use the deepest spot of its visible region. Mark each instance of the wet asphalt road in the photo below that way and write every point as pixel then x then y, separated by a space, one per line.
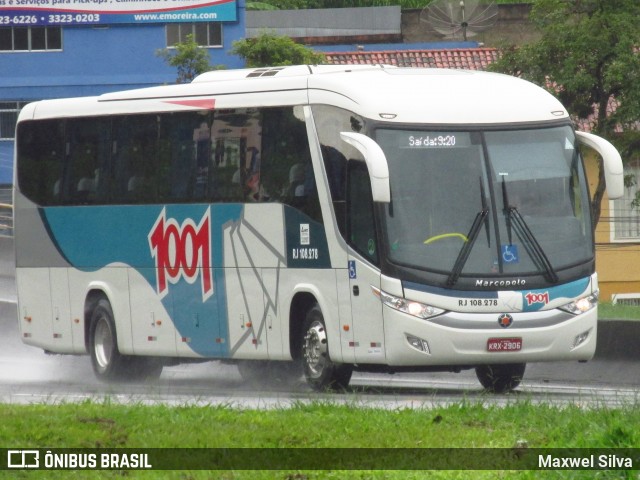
pixel 29 375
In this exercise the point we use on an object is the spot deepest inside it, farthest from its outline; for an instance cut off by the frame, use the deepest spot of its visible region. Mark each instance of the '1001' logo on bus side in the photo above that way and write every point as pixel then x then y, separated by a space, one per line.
pixel 182 252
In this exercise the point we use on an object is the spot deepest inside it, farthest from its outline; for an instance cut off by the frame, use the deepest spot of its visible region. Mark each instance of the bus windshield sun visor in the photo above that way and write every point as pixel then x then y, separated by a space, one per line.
pixel 376 164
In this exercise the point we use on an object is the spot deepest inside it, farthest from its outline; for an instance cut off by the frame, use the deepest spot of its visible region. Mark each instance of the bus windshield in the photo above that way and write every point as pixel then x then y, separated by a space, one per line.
pixel 473 203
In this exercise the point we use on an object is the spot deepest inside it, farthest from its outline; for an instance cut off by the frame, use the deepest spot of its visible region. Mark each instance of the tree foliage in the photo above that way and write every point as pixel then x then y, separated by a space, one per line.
pixel 588 56
pixel 270 50
pixel 188 57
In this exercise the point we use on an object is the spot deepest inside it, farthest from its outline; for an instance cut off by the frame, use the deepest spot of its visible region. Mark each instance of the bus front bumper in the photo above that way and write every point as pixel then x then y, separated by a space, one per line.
pixel 488 338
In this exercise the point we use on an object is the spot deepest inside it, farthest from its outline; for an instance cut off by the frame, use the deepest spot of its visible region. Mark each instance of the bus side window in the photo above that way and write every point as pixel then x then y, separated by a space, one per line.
pixel 135 159
pixel 40 154
pixel 229 165
pixel 295 194
pixel 335 165
pixel 287 173
pixel 360 218
pixel 330 122
pixel 184 141
pixel 88 152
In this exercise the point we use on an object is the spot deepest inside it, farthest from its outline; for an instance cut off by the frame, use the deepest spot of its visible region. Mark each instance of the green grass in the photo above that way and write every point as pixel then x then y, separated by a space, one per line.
pixel 461 425
pixel 608 311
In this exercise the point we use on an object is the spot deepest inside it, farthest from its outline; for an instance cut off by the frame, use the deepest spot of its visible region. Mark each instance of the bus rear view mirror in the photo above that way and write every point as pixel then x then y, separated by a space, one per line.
pixel 376 164
pixel 611 162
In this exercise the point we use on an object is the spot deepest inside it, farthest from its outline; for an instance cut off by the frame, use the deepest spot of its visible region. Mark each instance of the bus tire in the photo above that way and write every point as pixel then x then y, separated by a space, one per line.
pixel 500 378
pixel 107 361
pixel 320 371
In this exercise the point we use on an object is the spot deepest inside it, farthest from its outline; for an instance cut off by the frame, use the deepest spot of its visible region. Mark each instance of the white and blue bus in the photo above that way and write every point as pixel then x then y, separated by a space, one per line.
pixel 338 218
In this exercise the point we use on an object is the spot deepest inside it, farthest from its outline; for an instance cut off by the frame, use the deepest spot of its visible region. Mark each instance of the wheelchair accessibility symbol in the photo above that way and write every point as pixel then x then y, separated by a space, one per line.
pixel 352 269
pixel 510 254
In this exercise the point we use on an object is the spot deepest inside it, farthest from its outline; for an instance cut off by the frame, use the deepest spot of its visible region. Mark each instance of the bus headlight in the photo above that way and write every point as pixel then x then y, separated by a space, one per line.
pixel 581 305
pixel 416 309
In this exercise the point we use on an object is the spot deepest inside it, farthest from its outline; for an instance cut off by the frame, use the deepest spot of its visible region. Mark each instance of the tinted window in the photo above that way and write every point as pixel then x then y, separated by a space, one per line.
pixel 362 232
pixel 41 149
pixel 330 122
pixel 233 155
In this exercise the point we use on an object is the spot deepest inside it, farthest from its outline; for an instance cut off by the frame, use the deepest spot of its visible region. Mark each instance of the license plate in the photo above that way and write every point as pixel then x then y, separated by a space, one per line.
pixel 504 344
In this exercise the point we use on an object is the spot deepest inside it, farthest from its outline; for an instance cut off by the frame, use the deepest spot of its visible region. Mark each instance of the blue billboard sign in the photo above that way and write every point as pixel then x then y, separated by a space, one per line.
pixel 25 13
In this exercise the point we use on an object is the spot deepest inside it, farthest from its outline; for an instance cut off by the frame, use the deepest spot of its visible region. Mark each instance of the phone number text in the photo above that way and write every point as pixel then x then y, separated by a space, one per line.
pixel 50 19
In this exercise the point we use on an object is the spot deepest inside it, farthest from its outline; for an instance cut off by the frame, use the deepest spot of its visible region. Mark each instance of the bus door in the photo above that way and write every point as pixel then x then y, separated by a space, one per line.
pixel 34 304
pixel 46 310
pixel 366 308
pixel 198 322
pixel 151 319
pixel 62 325
pixel 247 319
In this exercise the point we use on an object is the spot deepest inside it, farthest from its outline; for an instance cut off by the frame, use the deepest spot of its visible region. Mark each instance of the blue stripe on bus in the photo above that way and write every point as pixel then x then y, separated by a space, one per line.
pixel 124 235
pixel 120 234
pixel 539 297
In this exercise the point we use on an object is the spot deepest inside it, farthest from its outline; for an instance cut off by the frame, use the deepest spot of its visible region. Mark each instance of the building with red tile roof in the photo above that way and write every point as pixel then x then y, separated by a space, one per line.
pixel 459 58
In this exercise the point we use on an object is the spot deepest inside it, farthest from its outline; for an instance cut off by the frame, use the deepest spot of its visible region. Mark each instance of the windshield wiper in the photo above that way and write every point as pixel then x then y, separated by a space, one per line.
pixel 463 255
pixel 516 222
pixel 531 245
pixel 505 202
pixel 485 208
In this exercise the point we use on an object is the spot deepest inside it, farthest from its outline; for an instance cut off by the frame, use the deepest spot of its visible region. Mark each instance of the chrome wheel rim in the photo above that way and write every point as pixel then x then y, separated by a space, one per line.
pixel 315 349
pixel 103 344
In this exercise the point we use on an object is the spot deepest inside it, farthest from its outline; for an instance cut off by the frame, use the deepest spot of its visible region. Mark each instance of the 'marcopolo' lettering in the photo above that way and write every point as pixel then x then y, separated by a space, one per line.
pixel 517 282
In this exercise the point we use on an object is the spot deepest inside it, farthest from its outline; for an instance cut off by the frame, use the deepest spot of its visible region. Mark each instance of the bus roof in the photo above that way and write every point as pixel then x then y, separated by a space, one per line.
pixel 402 95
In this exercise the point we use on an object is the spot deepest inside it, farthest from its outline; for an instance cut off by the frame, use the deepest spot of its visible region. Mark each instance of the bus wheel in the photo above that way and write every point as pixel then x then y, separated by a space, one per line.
pixel 107 361
pixel 500 378
pixel 320 372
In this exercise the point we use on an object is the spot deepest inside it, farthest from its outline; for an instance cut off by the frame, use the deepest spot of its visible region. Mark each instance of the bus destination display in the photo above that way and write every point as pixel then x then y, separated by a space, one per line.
pixel 434 140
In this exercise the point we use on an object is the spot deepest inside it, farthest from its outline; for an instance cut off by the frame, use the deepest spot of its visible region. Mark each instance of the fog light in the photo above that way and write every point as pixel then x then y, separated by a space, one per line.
pixel 580 339
pixel 418 343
